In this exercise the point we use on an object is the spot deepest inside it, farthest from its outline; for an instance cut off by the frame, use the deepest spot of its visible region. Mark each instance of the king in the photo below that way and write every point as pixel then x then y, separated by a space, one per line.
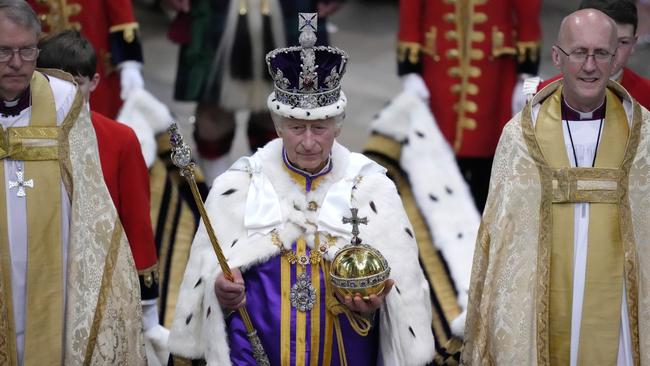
pixel 277 215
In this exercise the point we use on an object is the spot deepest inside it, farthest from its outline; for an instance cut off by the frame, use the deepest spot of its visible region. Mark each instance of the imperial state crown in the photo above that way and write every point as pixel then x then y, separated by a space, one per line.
pixel 307 78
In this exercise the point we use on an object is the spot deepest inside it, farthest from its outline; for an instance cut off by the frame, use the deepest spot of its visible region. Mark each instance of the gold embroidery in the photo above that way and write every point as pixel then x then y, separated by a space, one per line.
pixel 408 51
pixel 58 17
pixel 314 316
pixel 464 18
pixel 44 285
pixel 150 275
pixel 128 31
pixel 64 130
pixel 285 312
pixel 545 239
pixel 107 279
pixel 527 50
pixel 587 185
pixel 498 44
pixel 430 44
pixel 301 316
pixel 629 243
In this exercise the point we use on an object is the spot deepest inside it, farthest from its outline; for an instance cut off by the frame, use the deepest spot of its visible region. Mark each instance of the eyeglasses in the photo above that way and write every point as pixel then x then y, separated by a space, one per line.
pixel 25 53
pixel 580 56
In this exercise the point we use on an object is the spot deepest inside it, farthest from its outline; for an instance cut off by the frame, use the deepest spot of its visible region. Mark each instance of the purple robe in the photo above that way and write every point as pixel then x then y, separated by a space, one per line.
pixel 263 302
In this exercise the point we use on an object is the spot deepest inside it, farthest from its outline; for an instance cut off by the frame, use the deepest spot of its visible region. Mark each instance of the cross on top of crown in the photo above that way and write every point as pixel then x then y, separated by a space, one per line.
pixel 307 22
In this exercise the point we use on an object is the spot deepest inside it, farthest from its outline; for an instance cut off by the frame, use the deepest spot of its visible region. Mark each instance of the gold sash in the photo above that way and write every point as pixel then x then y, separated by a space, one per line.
pixel 601 187
pixel 37 145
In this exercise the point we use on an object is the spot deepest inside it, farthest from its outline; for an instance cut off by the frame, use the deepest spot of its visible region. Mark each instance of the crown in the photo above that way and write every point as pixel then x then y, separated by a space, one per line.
pixel 307 78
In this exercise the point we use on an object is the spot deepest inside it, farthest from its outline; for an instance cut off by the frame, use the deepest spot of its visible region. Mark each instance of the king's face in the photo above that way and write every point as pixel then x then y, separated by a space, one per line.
pixel 308 143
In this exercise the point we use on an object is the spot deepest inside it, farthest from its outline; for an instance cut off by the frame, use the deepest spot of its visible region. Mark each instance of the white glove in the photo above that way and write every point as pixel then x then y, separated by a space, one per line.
pixel 524 91
pixel 518 98
pixel 155 345
pixel 458 324
pixel 414 84
pixel 130 78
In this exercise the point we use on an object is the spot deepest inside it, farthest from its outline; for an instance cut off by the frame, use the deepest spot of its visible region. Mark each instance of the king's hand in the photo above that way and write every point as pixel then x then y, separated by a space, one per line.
pixel 359 305
pixel 231 294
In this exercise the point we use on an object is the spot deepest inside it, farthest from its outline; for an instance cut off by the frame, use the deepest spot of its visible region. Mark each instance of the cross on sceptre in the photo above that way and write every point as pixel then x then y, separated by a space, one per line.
pixel 355 221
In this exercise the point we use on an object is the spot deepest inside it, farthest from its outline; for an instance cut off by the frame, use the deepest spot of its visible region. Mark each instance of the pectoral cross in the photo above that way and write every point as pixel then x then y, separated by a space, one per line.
pixel 355 221
pixel 20 183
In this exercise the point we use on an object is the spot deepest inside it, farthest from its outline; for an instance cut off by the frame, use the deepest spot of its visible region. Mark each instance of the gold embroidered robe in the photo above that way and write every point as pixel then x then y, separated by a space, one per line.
pixel 508 321
pixel 101 312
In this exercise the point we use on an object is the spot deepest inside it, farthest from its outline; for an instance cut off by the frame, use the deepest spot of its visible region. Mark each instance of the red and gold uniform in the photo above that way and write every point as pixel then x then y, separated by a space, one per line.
pixel 469 53
pixel 127 180
pixel 110 26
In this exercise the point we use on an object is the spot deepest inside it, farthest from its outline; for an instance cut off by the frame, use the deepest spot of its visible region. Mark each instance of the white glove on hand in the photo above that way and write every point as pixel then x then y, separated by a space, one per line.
pixel 155 342
pixel 414 84
pixel 130 78
pixel 458 325
pixel 523 92
pixel 518 98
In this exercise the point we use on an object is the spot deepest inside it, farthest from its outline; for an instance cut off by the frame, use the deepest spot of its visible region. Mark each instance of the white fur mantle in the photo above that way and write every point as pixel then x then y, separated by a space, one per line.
pixel 441 193
pixel 405 318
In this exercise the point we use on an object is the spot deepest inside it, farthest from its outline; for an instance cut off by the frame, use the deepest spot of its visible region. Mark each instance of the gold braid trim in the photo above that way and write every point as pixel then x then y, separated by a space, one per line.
pixel 408 51
pixel 498 44
pixel 104 291
pixel 631 265
pixel 544 239
pixel 150 275
pixel 527 50
pixel 66 126
pixel 128 30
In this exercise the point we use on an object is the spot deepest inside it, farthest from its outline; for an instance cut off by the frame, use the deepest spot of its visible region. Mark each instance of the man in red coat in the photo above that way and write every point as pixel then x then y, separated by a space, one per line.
pixel 111 28
pixel 464 56
pixel 624 13
pixel 123 166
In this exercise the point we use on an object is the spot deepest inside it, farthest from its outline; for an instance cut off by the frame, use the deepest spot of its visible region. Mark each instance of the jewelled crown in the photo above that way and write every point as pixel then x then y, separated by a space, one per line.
pixel 307 78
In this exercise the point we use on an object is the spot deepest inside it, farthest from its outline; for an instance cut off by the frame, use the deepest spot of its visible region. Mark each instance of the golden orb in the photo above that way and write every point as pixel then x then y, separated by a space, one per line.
pixel 359 269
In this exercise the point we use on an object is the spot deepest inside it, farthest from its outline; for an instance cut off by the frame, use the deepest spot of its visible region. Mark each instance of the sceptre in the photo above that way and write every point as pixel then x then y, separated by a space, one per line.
pixel 181 156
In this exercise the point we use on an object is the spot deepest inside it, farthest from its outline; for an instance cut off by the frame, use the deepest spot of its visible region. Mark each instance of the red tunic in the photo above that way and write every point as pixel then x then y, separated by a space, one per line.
pixel 110 27
pixel 468 52
pixel 127 179
pixel 636 85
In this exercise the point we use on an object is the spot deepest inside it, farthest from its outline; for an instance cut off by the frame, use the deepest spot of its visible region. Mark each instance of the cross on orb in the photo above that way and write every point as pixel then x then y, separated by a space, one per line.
pixel 355 221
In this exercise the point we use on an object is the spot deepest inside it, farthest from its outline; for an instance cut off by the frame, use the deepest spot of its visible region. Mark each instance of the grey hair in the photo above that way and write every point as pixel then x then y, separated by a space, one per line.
pixel 19 12
pixel 277 119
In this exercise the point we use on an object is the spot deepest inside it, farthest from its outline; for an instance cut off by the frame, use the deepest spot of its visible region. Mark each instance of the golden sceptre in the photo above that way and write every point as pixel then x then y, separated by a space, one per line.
pixel 182 157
